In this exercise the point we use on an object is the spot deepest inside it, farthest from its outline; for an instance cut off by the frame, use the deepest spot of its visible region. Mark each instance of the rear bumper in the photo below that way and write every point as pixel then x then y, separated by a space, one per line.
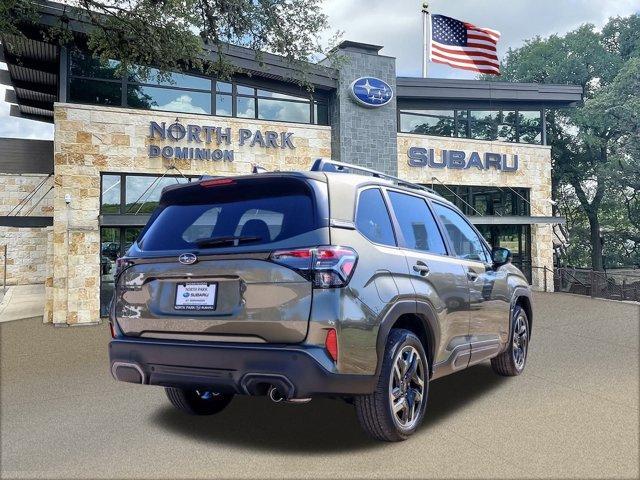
pixel 237 368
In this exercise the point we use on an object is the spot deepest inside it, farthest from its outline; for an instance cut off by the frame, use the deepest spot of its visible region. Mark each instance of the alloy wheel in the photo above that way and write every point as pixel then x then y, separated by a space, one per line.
pixel 520 341
pixel 406 387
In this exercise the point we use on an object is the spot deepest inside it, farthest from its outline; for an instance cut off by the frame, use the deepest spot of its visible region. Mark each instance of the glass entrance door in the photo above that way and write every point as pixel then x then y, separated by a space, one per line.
pixel 516 238
pixel 114 243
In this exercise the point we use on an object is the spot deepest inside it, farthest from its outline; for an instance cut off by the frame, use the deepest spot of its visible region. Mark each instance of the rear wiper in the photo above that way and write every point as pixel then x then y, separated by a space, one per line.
pixel 231 239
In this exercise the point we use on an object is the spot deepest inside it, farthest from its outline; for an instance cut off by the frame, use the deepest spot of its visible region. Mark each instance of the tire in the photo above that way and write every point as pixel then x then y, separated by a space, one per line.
pixel 197 402
pixel 375 411
pixel 512 361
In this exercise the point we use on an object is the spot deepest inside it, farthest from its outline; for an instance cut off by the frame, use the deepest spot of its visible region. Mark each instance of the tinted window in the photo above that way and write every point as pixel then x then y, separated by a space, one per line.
pixel 156 98
pixel 110 194
pixel 283 110
pixel 95 92
pixel 417 223
pixel 372 218
pixel 143 192
pixel 256 213
pixel 466 242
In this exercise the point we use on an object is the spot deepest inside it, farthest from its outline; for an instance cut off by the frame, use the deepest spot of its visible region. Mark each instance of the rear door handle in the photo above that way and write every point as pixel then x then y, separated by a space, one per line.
pixel 421 268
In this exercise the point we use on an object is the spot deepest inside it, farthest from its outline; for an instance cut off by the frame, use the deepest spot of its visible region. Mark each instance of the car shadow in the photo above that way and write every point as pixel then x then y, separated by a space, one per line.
pixel 321 426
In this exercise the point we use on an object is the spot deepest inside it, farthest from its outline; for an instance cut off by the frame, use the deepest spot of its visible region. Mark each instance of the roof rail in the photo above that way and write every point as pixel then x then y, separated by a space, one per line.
pixel 321 165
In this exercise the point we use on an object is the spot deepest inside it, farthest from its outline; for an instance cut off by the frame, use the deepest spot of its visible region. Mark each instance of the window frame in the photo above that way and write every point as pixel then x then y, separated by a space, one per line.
pixel 125 82
pixel 122 210
pixel 385 201
pixel 449 242
pixel 462 129
pixel 402 243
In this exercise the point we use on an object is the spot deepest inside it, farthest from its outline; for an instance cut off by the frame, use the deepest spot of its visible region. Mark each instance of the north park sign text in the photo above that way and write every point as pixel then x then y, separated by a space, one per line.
pixel 457 159
pixel 200 135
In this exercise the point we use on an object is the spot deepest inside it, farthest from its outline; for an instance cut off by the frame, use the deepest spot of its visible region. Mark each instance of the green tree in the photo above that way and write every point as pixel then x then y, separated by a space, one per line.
pixel 172 35
pixel 595 146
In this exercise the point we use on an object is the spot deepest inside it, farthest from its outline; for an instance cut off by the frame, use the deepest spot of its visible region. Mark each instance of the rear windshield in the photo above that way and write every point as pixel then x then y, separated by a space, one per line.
pixel 242 214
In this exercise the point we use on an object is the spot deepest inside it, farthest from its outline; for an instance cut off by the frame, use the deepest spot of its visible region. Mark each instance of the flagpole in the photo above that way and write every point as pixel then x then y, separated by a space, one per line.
pixel 426 37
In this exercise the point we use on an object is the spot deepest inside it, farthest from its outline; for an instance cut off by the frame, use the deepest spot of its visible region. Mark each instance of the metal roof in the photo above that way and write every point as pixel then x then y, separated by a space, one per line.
pixel 470 92
pixel 33 73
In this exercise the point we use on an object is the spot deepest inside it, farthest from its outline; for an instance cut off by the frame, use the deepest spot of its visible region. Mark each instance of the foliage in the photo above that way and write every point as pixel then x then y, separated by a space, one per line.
pixel 595 147
pixel 172 35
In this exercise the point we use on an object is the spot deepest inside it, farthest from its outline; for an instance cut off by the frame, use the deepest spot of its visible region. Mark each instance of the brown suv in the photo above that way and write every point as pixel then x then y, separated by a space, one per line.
pixel 300 284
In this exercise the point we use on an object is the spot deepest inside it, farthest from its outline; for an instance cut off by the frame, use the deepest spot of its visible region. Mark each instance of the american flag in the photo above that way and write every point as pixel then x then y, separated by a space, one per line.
pixel 463 45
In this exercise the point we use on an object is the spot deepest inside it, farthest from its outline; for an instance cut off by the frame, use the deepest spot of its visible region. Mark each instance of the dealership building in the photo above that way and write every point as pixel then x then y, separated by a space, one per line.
pixel 69 207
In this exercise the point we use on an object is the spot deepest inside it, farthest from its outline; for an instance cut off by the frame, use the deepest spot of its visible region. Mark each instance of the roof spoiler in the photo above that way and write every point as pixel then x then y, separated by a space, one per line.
pixel 322 165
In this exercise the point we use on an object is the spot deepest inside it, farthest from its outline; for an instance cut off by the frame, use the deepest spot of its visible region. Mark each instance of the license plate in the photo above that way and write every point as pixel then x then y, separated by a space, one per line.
pixel 196 296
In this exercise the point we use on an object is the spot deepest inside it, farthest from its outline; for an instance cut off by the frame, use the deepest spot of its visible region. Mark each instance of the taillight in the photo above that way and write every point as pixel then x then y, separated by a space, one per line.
pixel 326 267
pixel 217 182
pixel 113 330
pixel 331 344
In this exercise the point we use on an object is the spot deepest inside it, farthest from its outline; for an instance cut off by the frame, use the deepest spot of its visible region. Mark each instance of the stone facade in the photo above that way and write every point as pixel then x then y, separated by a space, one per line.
pixel 534 173
pixel 360 135
pixel 89 140
pixel 26 247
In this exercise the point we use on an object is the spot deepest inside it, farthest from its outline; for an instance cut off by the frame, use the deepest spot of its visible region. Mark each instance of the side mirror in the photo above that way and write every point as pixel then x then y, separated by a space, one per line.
pixel 500 256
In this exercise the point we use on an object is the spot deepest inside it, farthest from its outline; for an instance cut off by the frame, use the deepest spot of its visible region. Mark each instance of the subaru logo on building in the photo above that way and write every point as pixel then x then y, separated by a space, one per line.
pixel 371 92
pixel 187 258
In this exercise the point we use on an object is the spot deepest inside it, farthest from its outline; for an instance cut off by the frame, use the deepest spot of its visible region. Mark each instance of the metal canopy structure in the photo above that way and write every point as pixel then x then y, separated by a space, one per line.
pixel 476 93
pixel 33 73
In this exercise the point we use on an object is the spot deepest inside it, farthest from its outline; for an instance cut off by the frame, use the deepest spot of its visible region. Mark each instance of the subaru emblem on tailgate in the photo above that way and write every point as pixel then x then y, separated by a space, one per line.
pixel 187 258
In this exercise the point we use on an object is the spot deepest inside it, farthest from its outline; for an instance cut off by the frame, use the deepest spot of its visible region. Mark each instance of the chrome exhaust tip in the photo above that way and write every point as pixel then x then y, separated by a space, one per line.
pixel 275 395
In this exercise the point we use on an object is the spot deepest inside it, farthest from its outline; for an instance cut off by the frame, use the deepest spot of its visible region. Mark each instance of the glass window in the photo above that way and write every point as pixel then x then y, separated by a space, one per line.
pixel 83 64
pixel 283 110
pixel 156 98
pixel 483 125
pixel 428 122
pixel 462 119
pixel 506 124
pixel 223 87
pixel 321 113
pixel 143 192
pixel 110 202
pixel 272 219
pixel 242 90
pixel 95 92
pixel 223 105
pixel 245 107
pixel 465 240
pixel 372 218
pixel 418 226
pixel 181 225
pixel 152 75
pixel 267 93
pixel 530 127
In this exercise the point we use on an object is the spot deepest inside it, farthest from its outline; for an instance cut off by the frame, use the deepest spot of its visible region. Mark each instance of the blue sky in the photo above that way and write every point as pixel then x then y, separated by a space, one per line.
pixel 397 24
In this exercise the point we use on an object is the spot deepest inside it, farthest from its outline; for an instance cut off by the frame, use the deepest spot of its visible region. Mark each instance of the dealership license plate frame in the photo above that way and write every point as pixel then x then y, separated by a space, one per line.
pixel 209 306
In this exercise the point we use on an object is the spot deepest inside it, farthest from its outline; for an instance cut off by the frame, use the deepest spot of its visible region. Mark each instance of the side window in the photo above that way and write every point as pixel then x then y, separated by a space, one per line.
pixel 372 218
pixel 416 221
pixel 466 242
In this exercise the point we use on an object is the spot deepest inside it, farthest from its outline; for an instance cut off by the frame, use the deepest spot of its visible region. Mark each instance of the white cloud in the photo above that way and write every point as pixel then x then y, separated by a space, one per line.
pixel 398 25
pixel 184 103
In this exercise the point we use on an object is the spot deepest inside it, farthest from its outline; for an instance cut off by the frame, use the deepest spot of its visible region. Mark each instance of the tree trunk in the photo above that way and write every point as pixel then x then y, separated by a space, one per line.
pixel 596 246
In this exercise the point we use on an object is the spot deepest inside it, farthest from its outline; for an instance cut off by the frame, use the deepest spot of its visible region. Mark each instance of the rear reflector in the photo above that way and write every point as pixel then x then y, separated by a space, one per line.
pixel 331 344
pixel 216 182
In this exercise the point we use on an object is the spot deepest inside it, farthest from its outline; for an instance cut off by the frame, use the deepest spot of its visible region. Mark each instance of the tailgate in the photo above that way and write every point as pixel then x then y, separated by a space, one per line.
pixel 241 299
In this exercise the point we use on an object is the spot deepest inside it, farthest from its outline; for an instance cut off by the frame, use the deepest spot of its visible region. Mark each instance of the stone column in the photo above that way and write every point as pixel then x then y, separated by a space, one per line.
pixel 360 135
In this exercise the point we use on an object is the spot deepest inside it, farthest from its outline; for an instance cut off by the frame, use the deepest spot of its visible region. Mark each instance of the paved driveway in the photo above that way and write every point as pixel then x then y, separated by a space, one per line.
pixel 574 413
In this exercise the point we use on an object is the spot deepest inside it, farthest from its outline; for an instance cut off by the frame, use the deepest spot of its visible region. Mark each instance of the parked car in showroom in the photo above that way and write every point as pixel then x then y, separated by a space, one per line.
pixel 339 281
